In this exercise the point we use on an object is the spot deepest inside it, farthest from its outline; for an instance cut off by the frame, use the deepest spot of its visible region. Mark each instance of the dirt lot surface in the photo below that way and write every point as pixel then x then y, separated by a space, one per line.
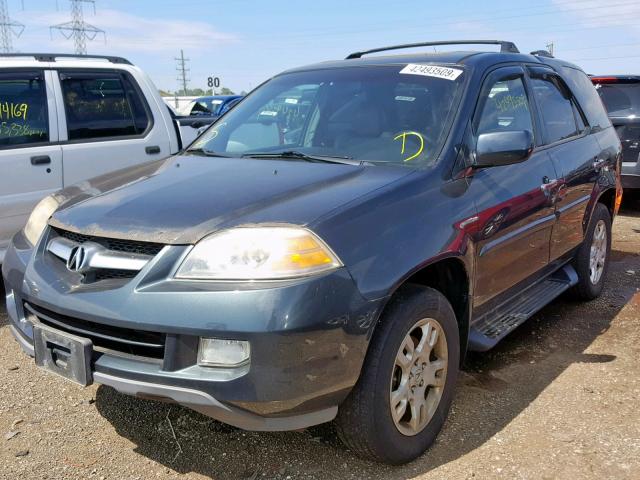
pixel 559 398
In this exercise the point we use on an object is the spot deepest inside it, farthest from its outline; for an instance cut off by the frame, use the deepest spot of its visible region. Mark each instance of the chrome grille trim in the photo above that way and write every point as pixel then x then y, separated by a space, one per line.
pixel 98 256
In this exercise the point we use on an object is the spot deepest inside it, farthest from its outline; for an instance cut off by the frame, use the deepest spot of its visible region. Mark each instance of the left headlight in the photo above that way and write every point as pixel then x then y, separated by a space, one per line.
pixel 39 217
pixel 258 253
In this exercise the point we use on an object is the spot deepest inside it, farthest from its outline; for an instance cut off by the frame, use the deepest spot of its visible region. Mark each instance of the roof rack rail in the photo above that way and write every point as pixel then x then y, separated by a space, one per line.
pixel 505 47
pixel 51 57
pixel 542 53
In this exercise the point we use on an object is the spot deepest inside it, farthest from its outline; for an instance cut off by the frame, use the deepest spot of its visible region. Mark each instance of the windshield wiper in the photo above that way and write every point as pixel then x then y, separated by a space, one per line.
pixel 206 153
pixel 303 156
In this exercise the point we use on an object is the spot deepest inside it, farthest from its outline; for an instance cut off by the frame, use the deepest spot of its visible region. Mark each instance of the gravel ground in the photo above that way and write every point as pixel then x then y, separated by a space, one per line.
pixel 557 399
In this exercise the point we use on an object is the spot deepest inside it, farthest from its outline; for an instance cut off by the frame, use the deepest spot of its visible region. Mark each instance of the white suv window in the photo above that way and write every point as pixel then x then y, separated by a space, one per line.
pixel 102 105
pixel 23 109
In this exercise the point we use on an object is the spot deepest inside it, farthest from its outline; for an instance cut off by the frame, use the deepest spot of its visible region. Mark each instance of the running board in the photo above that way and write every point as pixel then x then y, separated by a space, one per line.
pixel 492 327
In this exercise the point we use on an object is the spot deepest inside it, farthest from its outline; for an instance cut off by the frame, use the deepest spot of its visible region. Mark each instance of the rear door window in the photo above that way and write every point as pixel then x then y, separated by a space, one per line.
pixel 102 105
pixel 23 109
pixel 556 109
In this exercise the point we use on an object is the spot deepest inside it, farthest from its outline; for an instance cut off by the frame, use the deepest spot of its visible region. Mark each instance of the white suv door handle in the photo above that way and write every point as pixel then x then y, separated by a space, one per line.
pixel 40 160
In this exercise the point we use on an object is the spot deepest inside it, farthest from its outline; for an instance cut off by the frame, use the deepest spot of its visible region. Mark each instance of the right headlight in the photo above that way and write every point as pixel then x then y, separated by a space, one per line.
pixel 258 253
pixel 40 216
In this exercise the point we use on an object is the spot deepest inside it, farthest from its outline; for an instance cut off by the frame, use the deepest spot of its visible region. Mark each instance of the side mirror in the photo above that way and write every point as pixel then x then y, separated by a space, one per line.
pixel 503 148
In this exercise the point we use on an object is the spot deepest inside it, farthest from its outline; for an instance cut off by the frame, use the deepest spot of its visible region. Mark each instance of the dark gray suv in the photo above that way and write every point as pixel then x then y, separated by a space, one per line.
pixel 621 97
pixel 332 246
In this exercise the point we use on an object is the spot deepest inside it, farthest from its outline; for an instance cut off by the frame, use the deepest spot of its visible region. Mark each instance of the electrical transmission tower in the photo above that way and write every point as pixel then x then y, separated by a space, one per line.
pixel 182 71
pixel 78 29
pixel 8 28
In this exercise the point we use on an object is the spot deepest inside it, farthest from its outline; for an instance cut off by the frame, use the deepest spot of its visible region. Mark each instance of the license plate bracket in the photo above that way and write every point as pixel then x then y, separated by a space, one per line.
pixel 64 354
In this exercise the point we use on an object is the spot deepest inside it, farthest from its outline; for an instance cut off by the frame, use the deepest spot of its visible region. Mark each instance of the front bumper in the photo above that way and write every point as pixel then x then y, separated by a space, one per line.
pixel 308 337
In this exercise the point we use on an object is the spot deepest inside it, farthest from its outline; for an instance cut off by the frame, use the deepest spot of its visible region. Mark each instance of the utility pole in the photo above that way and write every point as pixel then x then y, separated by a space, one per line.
pixel 8 28
pixel 182 71
pixel 78 29
pixel 550 48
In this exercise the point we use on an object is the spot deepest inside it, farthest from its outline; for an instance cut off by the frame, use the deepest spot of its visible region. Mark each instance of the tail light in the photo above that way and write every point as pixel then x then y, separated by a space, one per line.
pixel 618 201
pixel 600 80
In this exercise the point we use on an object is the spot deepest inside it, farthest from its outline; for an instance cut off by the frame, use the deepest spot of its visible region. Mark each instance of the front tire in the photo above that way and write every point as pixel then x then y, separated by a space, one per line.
pixel 402 398
pixel 592 259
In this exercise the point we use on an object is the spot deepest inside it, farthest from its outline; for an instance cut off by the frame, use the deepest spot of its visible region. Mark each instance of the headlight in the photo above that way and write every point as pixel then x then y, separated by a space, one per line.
pixel 258 253
pixel 39 217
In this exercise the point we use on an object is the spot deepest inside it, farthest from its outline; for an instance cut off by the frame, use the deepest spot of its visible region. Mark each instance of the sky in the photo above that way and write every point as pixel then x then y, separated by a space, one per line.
pixel 244 42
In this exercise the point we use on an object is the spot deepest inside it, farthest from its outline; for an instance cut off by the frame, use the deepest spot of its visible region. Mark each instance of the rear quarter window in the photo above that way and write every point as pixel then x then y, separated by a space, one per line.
pixel 587 96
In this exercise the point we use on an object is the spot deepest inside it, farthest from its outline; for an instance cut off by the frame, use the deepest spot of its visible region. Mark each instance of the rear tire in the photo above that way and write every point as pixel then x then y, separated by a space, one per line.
pixel 592 259
pixel 407 366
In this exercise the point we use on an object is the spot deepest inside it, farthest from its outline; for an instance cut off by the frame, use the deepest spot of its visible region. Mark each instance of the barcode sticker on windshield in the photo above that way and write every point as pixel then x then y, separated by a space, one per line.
pixel 432 71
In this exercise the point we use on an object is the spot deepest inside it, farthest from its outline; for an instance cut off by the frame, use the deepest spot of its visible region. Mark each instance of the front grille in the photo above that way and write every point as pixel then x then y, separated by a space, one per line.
pixel 141 343
pixel 129 246
pixel 109 273
pixel 133 247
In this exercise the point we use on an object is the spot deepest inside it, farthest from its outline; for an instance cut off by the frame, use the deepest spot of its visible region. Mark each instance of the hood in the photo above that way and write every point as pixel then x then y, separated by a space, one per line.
pixel 183 198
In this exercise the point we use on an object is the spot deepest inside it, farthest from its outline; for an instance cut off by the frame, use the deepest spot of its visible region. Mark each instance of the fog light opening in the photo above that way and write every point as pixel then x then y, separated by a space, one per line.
pixel 217 352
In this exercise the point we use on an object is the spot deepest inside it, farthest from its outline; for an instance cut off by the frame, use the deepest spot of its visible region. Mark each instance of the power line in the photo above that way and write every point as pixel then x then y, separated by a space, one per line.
pixel 350 30
pixel 8 28
pixel 182 71
pixel 606 21
pixel 78 29
pixel 603 58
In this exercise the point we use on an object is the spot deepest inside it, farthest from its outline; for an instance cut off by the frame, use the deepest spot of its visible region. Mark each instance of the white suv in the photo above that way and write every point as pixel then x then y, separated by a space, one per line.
pixel 65 118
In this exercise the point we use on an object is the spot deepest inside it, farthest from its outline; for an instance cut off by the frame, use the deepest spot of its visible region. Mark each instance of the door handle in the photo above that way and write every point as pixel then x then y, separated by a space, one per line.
pixel 40 160
pixel 548 183
pixel 599 163
pixel 152 150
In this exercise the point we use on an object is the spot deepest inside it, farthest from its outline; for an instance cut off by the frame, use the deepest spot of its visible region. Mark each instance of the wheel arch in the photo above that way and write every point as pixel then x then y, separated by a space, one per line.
pixel 608 198
pixel 450 276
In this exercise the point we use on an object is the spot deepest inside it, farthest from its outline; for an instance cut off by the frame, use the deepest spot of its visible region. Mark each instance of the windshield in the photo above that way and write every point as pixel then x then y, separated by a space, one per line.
pixel 621 99
pixel 397 114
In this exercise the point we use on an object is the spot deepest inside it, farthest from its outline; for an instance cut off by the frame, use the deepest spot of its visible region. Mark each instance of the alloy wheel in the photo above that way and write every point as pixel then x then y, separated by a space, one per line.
pixel 419 375
pixel 598 254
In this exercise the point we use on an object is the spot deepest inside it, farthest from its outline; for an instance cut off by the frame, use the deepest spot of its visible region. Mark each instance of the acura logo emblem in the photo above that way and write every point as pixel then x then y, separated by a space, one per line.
pixel 77 259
